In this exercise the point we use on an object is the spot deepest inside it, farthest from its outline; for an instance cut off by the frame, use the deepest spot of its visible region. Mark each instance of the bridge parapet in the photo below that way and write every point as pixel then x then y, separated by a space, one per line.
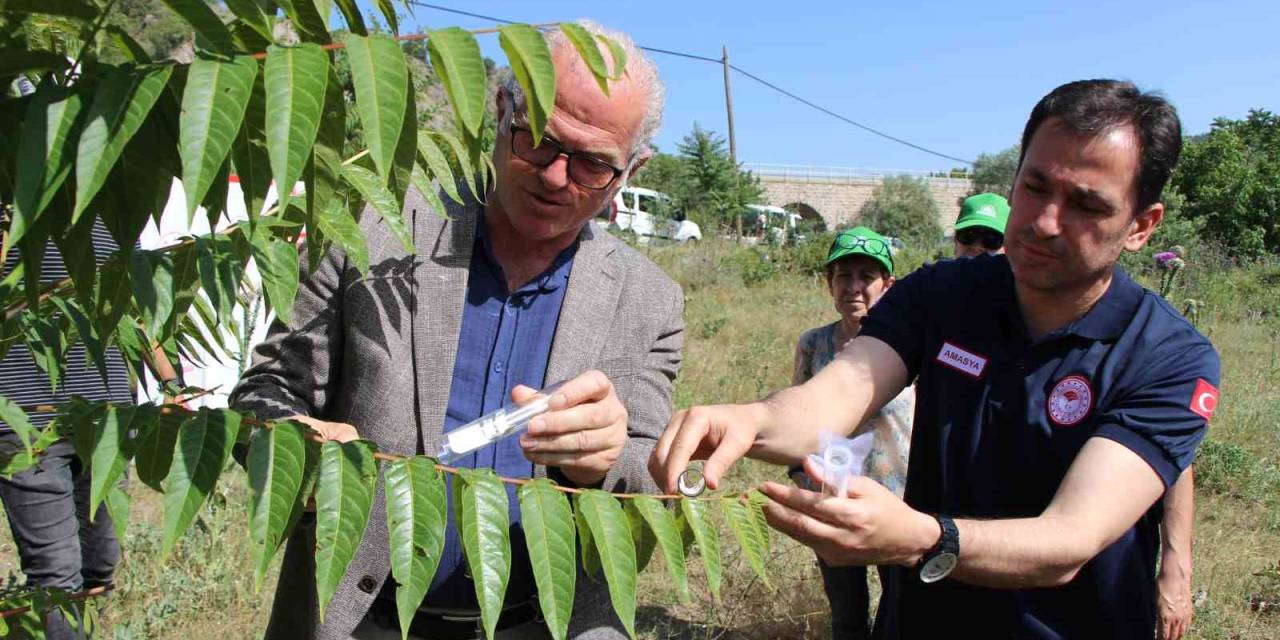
pixel 837 194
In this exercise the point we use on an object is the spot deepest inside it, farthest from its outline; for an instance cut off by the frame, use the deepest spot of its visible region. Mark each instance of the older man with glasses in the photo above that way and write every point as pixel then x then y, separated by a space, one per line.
pixel 505 295
pixel 980 226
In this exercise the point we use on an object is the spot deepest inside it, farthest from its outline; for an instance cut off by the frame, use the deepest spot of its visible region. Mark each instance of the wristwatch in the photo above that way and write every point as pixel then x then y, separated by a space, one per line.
pixel 939 561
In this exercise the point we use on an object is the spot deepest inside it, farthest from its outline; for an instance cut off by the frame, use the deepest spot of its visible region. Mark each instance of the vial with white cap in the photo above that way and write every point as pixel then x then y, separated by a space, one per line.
pixel 840 459
pixel 494 426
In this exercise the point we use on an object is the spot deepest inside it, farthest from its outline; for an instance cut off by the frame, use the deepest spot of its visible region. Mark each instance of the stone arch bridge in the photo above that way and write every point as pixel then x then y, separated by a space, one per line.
pixel 836 194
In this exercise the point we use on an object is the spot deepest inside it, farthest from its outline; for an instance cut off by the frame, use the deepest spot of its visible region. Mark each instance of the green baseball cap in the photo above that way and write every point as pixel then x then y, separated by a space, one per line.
pixel 861 241
pixel 984 210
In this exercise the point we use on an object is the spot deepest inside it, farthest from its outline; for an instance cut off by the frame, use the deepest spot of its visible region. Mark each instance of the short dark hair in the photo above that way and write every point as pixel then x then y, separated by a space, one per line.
pixel 1094 107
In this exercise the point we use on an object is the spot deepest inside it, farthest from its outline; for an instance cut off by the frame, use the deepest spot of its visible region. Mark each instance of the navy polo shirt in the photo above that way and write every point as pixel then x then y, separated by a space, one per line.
pixel 1000 418
pixel 505 340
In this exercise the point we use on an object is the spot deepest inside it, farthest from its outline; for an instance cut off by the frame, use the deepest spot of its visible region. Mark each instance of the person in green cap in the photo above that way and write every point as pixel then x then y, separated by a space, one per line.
pixel 980 227
pixel 859 271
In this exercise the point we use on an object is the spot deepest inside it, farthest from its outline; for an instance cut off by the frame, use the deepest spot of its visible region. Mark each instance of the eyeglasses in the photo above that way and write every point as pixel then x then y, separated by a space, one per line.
pixel 991 240
pixel 584 169
pixel 871 245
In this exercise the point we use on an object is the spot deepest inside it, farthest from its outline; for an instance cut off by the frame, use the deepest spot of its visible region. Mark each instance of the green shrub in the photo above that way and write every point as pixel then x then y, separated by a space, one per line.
pixel 903 206
pixel 1223 467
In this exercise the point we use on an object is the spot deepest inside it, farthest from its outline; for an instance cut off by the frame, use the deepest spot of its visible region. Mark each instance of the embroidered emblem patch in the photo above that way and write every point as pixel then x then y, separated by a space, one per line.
pixel 1070 401
pixel 961 360
pixel 1204 399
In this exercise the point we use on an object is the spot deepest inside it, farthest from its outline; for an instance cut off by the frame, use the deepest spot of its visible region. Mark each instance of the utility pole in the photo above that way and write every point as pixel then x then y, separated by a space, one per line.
pixel 733 141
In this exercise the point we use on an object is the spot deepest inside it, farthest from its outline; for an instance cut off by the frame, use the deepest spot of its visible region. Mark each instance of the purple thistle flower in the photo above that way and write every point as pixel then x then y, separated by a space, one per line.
pixel 1164 258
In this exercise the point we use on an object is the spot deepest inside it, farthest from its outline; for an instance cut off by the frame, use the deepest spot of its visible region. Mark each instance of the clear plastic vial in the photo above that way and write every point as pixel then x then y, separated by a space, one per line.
pixel 492 427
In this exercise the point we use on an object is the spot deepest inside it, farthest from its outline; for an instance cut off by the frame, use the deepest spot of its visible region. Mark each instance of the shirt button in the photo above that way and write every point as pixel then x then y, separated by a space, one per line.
pixel 497 366
pixel 367 584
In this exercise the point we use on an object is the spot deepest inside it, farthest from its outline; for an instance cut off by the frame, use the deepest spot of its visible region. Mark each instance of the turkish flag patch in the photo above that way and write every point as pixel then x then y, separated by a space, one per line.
pixel 1204 400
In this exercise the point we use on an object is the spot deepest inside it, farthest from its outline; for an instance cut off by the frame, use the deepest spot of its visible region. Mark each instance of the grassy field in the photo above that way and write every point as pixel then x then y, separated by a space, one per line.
pixel 743 316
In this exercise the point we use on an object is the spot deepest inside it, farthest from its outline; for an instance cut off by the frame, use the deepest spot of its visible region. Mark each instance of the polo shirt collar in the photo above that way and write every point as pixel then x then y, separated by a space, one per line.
pixel 1109 316
pixel 1105 320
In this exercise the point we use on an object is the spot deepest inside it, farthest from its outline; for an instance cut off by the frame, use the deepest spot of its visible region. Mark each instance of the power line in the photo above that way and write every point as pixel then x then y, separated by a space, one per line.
pixel 766 83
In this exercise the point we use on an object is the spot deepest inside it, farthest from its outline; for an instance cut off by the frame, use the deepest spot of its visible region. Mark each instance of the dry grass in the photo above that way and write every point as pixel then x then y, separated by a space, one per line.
pixel 739 342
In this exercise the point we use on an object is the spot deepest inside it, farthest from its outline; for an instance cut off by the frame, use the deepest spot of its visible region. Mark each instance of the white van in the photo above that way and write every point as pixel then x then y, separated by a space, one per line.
pixel 633 209
pixel 776 220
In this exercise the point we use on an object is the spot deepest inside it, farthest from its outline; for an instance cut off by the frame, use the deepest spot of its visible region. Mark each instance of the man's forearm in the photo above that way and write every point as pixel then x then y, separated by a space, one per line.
pixel 837 399
pixel 1176 527
pixel 1020 553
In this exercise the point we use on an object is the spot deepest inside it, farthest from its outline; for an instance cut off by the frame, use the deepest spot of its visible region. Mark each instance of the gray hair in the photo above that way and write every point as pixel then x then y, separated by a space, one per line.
pixel 640 70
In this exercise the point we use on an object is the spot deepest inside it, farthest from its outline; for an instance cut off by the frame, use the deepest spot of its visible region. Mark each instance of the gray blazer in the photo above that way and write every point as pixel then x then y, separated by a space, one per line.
pixel 378 352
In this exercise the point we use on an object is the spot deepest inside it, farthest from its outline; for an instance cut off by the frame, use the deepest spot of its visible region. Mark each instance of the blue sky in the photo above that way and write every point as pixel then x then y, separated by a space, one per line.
pixel 956 77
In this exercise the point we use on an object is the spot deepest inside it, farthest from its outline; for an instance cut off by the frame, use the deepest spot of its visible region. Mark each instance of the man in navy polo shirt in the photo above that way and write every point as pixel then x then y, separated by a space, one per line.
pixel 1057 400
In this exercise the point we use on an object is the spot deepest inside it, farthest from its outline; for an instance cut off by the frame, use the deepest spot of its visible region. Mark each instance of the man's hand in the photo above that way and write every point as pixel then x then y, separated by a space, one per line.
pixel 583 431
pixel 870 526
pixel 340 431
pixel 1174 599
pixel 719 434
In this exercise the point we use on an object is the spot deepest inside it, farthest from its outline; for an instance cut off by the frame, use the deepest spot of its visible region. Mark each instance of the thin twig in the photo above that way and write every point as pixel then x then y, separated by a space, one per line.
pixel 79 595
pixel 315 436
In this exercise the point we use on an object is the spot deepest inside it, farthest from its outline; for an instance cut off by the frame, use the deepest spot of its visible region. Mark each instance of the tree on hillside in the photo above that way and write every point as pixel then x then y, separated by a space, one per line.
pixel 1231 181
pixel 993 172
pixel 707 187
pixel 902 206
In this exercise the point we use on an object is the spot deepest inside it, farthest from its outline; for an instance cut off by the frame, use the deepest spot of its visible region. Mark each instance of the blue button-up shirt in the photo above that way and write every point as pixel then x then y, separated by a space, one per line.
pixel 505 341
pixel 1000 417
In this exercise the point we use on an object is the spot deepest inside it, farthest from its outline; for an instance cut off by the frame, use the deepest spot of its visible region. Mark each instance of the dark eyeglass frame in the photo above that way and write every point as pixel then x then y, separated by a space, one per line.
pixel 871 245
pixel 989 238
pixel 571 155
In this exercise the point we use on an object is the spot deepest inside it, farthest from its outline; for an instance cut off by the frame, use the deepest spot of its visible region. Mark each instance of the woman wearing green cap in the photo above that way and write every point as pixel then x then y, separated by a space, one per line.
pixel 859 271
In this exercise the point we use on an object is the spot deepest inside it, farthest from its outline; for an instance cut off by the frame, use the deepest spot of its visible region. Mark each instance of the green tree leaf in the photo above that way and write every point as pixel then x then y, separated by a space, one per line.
pixel 745 527
pixel 465 163
pixel 530 58
pixel 126 45
pixel 611 534
pixel 455 57
pixel 295 79
pixel 13 415
pixel 416 518
pixel 259 16
pixel 311 18
pixel 213 105
pixel 152 273
pixel 590 557
pixel 423 184
pixel 590 52
pixel 277 457
pixel 88 336
pixel 344 496
pixel 663 525
pixel 380 77
pixel 120 105
pixel 44 155
pixel 697 518
pixel 277 262
pixel 548 523
pixel 204 445
pixel 323 175
pixel 249 153
pixel 642 535
pixel 206 22
pixel 338 226
pixel 480 502
pixel 155 449
pixel 619 56
pixel 438 165
pixel 377 195
pixel 351 13
pixel 389 12
pixel 118 508
pixel 220 271
pixel 114 443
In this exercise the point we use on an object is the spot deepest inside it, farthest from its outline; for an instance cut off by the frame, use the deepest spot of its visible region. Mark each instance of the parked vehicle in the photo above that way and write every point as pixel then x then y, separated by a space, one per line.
pixel 762 219
pixel 648 214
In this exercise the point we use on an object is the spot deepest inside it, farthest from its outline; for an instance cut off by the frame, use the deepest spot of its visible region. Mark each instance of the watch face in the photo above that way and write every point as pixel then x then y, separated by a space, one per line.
pixel 938 567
